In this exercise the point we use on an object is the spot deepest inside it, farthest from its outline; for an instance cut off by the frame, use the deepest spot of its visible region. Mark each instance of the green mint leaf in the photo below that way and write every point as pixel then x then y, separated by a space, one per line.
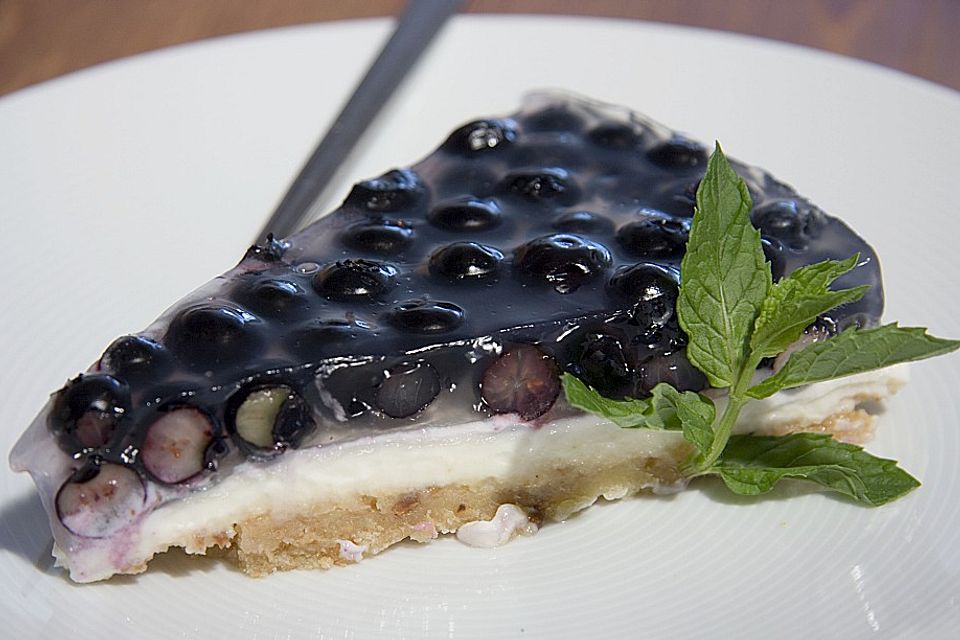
pixel 751 465
pixel 794 302
pixel 854 351
pixel 665 410
pixel 623 413
pixel 724 277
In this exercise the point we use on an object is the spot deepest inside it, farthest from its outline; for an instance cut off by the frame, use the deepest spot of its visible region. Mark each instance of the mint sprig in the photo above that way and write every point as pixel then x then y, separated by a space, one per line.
pixel 734 317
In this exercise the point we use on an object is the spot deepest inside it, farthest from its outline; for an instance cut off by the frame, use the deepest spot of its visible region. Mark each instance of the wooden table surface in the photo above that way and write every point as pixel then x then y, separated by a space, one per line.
pixel 42 39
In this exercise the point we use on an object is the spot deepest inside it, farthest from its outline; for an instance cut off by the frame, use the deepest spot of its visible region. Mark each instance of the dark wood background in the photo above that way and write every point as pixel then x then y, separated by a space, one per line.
pixel 42 39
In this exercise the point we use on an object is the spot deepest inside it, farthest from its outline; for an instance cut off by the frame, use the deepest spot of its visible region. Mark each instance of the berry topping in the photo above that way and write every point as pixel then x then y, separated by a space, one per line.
pixel 385 238
pixel 465 260
pixel 545 184
pixel 678 153
pixel 100 500
pixel 674 369
pixel 582 222
pixel 393 191
pixel 209 335
pixel 323 336
pixel 602 364
pixel 87 410
pixel 355 280
pixel 559 118
pixel 482 135
pixel 523 380
pixel 175 447
pixel 408 389
pixel 269 418
pixel 788 222
pixel 425 316
pixel 563 260
pixel 466 215
pixel 654 235
pixel 272 297
pixel 614 135
pixel 135 357
pixel 773 252
pixel 271 251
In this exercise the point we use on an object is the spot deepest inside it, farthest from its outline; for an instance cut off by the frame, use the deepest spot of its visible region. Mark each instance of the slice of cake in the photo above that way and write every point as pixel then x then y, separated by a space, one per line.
pixel 393 371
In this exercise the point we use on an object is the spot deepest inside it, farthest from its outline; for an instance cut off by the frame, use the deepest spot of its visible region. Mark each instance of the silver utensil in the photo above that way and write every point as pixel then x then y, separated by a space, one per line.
pixel 419 23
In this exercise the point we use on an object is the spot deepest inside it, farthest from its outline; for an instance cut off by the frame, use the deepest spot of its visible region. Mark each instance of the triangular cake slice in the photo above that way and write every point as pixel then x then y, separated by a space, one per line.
pixel 392 371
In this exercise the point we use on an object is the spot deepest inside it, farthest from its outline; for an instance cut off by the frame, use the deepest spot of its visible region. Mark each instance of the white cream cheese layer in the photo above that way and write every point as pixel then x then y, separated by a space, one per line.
pixel 500 448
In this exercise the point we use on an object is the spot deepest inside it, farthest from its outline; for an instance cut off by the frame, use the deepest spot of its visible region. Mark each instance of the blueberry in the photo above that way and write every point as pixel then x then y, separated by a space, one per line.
pixel 672 368
pixel 466 215
pixel 465 261
pixel 135 358
pixel 393 191
pixel 355 280
pixel 584 222
pixel 651 291
pixel 385 238
pixel 773 252
pixel 551 184
pixel 678 153
pixel 603 364
pixel 175 446
pixel 654 235
pixel 86 412
pixel 271 297
pixel 615 135
pixel 792 223
pixel 522 380
pixel 563 260
pixel 100 499
pixel 271 251
pixel 408 389
pixel 204 336
pixel 268 418
pixel 424 316
pixel 555 118
pixel 481 136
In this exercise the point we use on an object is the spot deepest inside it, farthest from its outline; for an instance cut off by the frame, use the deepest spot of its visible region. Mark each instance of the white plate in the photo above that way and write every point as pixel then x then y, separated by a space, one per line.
pixel 124 186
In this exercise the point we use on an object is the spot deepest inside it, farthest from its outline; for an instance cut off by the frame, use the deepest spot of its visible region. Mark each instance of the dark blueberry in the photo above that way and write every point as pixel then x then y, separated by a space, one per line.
pixel 773 252
pixel 674 369
pixel 584 222
pixel 652 292
pixel 564 261
pixel 425 316
pixel 355 280
pixel 386 238
pixel 271 297
pixel 86 411
pixel 271 251
pixel 408 389
pixel 792 223
pixel 551 184
pixel 603 364
pixel 325 337
pixel 466 215
pixel 269 418
pixel 556 118
pixel 209 335
pixel 614 135
pixel 100 499
pixel 678 153
pixel 522 380
pixel 393 191
pixel 654 235
pixel 135 357
pixel 465 261
pixel 480 136
pixel 175 446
